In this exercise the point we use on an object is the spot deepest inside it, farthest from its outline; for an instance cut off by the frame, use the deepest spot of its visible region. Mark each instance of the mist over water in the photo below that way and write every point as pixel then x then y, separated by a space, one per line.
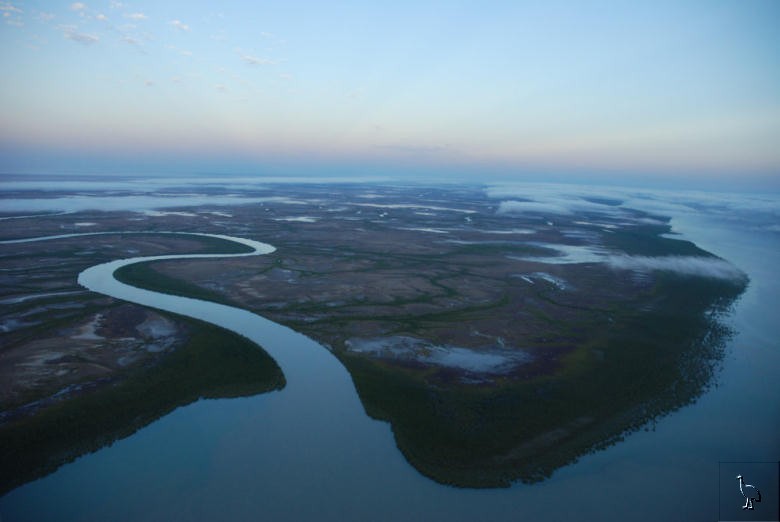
pixel 684 265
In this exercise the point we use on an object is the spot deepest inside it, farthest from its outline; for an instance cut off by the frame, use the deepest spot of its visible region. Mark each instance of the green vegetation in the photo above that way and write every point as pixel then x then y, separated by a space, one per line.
pixel 210 245
pixel 636 241
pixel 488 436
pixel 143 275
pixel 620 368
pixel 214 363
pixel 610 363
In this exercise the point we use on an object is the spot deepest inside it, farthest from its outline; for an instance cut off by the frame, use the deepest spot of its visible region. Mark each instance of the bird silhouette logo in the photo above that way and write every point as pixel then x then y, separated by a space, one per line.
pixel 750 492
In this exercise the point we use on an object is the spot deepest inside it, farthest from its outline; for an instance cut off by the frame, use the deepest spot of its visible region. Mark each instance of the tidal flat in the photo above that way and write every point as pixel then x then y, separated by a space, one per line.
pixel 493 360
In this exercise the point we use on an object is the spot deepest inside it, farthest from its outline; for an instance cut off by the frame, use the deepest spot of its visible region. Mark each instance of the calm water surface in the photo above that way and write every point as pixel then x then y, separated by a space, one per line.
pixel 309 452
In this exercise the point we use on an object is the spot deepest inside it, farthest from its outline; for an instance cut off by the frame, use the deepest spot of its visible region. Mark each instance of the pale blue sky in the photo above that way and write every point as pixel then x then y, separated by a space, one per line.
pixel 668 90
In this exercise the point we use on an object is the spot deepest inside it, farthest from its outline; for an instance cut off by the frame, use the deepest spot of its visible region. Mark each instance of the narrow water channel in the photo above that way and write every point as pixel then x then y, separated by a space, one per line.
pixel 309 451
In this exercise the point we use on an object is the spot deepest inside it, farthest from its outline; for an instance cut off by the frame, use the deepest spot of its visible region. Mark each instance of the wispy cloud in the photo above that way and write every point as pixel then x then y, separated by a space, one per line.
pixel 555 199
pixel 710 267
pixel 8 7
pixel 136 16
pixel 182 52
pixel 692 266
pixel 181 26
pixel 101 17
pixel 77 6
pixel 11 14
pixel 535 207
pixel 71 33
pixel 570 199
pixel 272 38
pixel 82 38
pixel 254 60
pixel 413 149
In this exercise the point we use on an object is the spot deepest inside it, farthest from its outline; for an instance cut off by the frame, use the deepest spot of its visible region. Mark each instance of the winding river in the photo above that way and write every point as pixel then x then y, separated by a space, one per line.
pixel 310 441
pixel 309 451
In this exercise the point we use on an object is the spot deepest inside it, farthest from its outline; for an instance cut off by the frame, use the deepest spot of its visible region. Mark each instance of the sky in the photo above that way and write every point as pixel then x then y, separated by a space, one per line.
pixel 679 92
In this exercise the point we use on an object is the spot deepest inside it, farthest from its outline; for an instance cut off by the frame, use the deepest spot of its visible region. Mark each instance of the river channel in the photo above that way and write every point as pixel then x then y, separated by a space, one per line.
pixel 309 451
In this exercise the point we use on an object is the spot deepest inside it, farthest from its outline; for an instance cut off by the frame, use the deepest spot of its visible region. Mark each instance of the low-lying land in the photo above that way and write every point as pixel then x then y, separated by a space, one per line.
pixel 499 344
pixel 79 370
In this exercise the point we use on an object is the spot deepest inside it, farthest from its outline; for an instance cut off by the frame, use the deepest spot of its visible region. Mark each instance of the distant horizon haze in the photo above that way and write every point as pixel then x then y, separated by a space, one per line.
pixel 668 94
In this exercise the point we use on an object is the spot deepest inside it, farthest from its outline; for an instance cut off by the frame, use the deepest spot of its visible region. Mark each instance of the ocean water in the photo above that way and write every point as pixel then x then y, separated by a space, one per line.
pixel 309 452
